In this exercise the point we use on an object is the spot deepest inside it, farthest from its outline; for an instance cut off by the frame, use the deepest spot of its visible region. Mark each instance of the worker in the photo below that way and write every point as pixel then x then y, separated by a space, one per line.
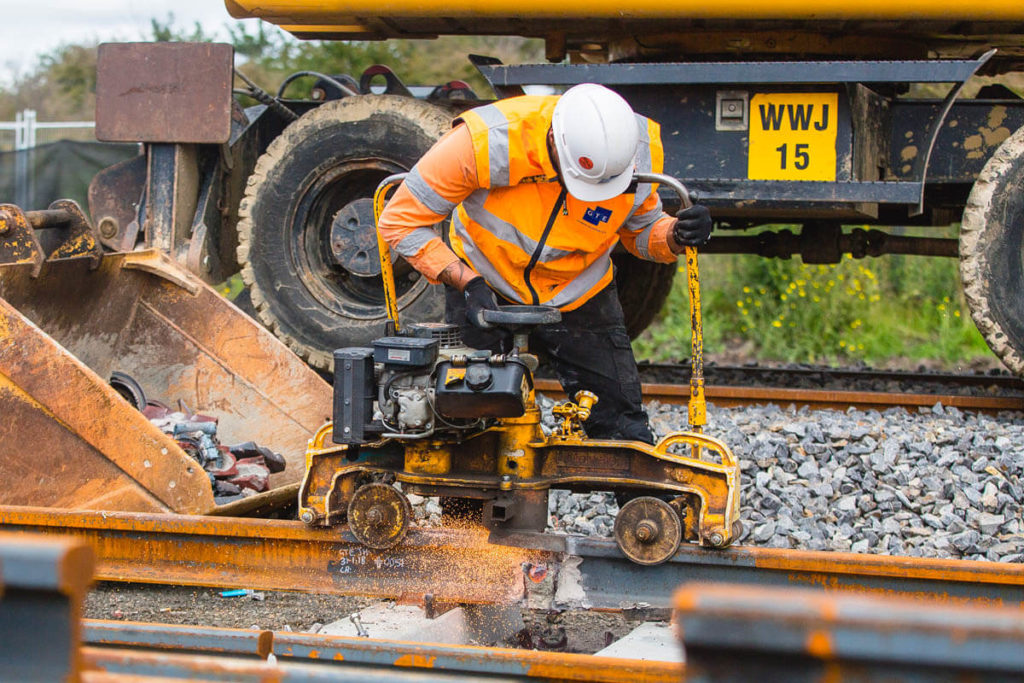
pixel 539 189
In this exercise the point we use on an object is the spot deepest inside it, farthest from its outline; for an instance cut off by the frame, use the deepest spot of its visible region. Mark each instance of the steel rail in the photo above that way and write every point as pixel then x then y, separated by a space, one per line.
pixel 604 578
pixel 43 583
pixel 782 631
pixel 771 375
pixel 121 665
pixel 128 645
pixel 265 554
pixel 461 566
pixel 813 398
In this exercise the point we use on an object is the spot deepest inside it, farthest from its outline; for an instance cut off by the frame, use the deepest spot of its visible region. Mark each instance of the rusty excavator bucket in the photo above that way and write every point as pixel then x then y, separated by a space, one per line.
pixel 71 316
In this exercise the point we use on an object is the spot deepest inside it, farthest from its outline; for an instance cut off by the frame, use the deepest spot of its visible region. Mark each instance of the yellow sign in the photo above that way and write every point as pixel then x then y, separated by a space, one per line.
pixel 793 136
pixel 454 375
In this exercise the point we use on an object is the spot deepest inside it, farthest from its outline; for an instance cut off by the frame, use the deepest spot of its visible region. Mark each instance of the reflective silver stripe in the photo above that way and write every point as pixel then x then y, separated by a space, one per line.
pixel 641 221
pixel 583 282
pixel 644 225
pixel 643 163
pixel 497 144
pixel 643 190
pixel 505 231
pixel 480 264
pixel 426 194
pixel 414 241
pixel 643 241
pixel 643 150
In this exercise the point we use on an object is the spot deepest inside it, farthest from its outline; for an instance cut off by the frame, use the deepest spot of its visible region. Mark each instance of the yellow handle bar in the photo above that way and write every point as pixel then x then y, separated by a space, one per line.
pixel 387 273
pixel 697 405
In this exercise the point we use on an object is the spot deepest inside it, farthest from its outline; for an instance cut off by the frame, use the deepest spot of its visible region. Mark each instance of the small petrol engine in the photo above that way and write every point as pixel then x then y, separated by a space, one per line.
pixel 424 383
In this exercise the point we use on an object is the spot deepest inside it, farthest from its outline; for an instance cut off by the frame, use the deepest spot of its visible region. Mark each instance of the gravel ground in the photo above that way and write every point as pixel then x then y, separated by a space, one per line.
pixel 567 631
pixel 205 607
pixel 936 483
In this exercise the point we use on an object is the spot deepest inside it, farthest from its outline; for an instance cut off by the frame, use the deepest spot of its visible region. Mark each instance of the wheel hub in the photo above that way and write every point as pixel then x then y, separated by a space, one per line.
pixel 378 516
pixel 375 515
pixel 354 238
pixel 648 530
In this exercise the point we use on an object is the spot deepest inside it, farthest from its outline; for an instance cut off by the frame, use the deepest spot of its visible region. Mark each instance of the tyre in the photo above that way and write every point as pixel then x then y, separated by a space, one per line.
pixel 643 287
pixel 307 242
pixel 992 252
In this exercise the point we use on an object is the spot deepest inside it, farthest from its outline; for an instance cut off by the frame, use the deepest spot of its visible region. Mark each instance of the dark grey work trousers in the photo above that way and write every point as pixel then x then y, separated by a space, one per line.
pixel 589 349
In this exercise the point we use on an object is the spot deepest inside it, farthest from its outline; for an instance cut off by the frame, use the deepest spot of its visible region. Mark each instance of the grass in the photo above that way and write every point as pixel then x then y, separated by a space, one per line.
pixel 890 310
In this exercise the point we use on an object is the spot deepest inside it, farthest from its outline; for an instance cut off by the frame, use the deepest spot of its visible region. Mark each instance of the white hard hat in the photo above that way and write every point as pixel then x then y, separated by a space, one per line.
pixel 596 134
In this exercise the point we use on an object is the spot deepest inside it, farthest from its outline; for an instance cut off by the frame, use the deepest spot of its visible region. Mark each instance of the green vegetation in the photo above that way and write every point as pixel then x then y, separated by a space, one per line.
pixel 270 55
pixel 871 311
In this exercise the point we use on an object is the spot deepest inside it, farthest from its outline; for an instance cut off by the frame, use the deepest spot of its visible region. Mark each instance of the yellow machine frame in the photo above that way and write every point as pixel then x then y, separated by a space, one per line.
pixel 513 463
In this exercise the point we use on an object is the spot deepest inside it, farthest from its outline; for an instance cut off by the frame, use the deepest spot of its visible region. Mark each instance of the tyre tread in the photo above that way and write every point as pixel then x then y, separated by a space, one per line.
pixel 263 179
pixel 977 235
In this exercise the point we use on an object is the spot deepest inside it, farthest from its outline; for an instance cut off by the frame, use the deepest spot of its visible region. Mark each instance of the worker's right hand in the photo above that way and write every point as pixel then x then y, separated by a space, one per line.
pixel 693 226
pixel 479 298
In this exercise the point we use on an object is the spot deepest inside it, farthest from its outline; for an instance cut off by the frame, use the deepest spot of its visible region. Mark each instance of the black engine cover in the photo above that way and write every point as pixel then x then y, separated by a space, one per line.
pixel 354 391
pixel 481 390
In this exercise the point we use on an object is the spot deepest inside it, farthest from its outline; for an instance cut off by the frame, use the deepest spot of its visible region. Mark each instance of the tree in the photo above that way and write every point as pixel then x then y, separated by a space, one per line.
pixel 62 84
pixel 61 87
pixel 169 33
pixel 271 56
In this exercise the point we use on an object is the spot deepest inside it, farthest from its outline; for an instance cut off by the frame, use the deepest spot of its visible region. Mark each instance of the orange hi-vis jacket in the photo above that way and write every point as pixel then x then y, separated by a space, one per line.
pixel 512 220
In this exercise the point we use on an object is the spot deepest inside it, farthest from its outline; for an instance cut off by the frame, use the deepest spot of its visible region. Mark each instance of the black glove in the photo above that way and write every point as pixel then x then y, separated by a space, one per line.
pixel 693 226
pixel 479 298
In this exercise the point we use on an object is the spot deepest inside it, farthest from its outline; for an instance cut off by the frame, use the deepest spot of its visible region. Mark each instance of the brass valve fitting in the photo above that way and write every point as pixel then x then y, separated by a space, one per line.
pixel 574 414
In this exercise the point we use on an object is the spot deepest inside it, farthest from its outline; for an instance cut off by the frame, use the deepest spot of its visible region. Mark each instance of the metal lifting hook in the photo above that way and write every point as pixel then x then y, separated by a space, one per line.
pixel 697 405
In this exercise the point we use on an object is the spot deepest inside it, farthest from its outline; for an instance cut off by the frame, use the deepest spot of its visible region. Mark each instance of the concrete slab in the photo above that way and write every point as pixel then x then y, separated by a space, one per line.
pixel 465 625
pixel 651 641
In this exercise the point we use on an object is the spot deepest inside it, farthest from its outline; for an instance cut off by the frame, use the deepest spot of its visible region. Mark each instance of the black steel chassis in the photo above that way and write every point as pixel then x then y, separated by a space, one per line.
pixel 900 160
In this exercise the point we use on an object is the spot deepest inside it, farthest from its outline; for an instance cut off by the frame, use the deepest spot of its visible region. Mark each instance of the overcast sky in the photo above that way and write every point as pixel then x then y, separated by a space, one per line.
pixel 29 28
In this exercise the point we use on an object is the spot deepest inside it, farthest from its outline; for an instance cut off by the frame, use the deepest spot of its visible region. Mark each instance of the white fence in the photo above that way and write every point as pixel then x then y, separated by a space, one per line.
pixel 24 134
pixel 26 131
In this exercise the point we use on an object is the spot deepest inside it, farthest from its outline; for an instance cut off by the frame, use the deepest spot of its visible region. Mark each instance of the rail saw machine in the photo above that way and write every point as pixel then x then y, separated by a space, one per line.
pixel 441 419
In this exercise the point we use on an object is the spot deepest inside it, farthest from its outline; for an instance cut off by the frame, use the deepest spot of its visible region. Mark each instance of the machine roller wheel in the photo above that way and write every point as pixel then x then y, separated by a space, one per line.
pixel 648 530
pixel 378 516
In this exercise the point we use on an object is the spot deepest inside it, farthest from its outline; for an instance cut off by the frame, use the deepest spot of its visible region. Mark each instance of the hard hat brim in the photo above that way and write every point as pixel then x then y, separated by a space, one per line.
pixel 598 192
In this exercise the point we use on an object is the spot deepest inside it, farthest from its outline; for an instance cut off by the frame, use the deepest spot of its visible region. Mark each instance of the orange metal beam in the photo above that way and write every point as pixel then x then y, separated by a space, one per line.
pixel 605 581
pixel 334 12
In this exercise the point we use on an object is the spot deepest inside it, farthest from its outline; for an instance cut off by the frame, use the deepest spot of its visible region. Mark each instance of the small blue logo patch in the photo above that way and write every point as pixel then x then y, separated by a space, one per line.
pixel 597 215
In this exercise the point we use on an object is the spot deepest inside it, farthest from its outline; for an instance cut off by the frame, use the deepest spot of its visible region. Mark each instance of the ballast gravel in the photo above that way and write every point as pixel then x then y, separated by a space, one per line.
pixel 935 483
pixel 938 482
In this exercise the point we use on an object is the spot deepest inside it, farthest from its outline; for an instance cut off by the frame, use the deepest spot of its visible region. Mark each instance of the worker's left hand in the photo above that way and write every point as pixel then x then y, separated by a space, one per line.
pixel 693 226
